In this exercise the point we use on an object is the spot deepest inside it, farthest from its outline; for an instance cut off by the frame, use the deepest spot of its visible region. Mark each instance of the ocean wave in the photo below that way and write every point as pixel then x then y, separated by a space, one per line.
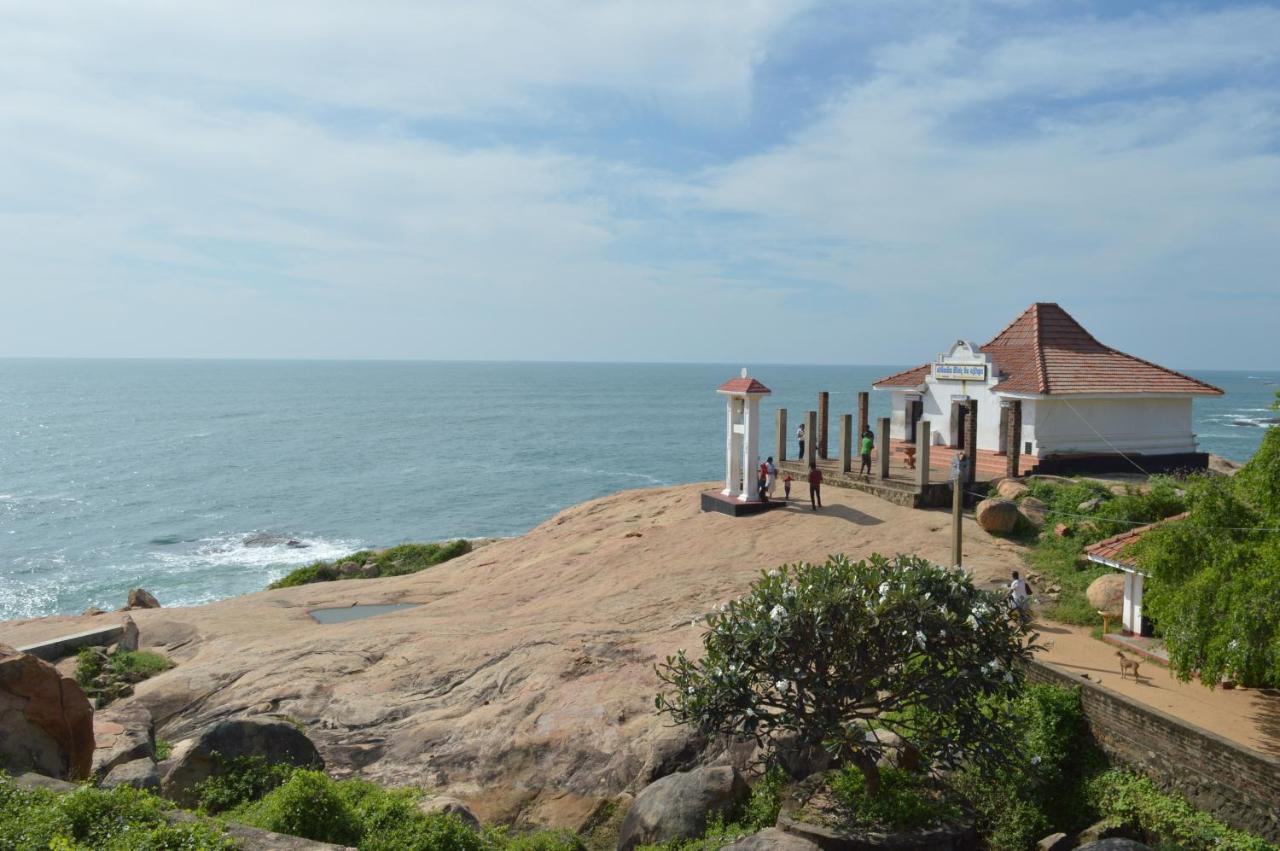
pixel 248 549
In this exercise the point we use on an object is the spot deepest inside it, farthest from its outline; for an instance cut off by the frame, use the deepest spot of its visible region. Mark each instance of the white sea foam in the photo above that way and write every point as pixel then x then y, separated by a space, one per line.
pixel 232 551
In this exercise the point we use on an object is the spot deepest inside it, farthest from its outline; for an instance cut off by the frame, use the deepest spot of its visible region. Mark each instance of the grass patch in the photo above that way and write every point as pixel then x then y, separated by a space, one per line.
pixel 106 676
pixel 905 800
pixel 396 561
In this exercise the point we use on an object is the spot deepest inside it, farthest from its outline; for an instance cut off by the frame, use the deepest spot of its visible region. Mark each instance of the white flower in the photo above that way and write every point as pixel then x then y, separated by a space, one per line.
pixel 920 639
pixel 689 689
pixel 1035 760
pixel 773 572
pixel 778 613
pixel 782 685
pixel 972 622
pixel 884 590
pixel 1008 677
pixel 724 607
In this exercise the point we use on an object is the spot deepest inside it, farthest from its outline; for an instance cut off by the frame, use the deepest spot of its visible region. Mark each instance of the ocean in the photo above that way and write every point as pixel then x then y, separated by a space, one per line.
pixel 192 478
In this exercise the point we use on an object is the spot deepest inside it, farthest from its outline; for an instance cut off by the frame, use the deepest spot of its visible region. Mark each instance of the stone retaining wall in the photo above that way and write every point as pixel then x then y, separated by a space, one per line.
pixel 1238 785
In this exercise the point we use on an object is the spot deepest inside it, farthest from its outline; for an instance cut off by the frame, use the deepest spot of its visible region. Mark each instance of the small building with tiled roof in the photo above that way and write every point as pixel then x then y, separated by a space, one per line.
pixel 1115 552
pixel 1080 404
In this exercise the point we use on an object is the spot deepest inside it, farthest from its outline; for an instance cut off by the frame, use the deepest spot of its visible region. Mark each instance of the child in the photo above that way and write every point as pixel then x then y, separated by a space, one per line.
pixel 786 486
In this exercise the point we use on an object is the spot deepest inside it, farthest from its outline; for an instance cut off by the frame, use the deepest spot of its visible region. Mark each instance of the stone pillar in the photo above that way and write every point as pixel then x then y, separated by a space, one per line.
pixel 1013 438
pixel 923 432
pixel 883 447
pixel 824 410
pixel 733 448
pixel 864 409
pixel 971 441
pixel 811 431
pixel 780 446
pixel 846 443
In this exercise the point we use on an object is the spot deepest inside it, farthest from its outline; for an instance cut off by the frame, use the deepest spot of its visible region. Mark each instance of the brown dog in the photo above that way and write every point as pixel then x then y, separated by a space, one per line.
pixel 1127 665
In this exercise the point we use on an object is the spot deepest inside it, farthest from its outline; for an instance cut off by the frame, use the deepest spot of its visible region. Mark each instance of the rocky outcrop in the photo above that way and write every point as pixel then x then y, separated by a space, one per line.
pixel 1033 511
pixel 139 773
pixel 772 839
pixel 450 806
pixel 140 598
pixel 122 733
pixel 997 516
pixel 196 760
pixel 46 722
pixel 1011 489
pixel 1106 593
pixel 679 806
pixel 129 637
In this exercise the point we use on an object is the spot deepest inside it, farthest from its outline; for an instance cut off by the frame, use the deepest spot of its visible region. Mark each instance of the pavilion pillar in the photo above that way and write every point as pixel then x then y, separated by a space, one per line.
pixel 846 443
pixel 811 431
pixel 864 407
pixel 1013 437
pixel 923 432
pixel 971 442
pixel 780 444
pixel 750 449
pixel 883 447
pixel 824 406
pixel 733 447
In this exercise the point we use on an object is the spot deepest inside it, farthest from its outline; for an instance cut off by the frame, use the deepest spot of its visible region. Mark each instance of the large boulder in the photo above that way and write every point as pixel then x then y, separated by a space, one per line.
pixel 1033 511
pixel 997 515
pixel 1106 593
pixel 140 598
pixel 196 760
pixel 772 839
pixel 449 806
pixel 1011 489
pixel 122 733
pixel 129 638
pixel 139 773
pixel 1115 843
pixel 679 805
pixel 46 722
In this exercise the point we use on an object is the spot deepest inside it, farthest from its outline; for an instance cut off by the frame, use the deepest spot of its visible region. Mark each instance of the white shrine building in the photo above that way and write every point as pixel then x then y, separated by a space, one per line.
pixel 1114 552
pixel 741 494
pixel 1045 385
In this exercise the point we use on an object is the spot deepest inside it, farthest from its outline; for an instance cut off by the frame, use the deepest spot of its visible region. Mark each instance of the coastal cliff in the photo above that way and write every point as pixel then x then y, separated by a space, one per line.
pixel 522 679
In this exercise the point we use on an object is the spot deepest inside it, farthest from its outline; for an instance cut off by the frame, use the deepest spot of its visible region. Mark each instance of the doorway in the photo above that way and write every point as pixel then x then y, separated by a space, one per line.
pixel 915 412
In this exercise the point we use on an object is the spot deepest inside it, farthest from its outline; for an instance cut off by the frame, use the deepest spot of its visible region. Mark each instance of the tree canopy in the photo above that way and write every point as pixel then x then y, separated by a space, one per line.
pixel 829 655
pixel 1215 575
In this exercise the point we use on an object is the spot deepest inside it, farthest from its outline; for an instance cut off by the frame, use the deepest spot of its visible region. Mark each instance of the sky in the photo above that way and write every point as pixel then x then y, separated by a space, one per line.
pixel 744 181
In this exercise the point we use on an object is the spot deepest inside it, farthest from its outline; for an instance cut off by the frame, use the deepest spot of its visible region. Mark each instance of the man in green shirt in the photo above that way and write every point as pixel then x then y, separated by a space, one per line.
pixel 864 448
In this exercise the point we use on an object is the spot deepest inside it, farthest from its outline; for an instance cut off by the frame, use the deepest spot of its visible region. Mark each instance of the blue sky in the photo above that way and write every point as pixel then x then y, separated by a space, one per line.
pixel 715 181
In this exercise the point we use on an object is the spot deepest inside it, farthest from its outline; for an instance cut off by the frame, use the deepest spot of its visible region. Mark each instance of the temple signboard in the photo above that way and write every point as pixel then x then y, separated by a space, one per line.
pixel 960 371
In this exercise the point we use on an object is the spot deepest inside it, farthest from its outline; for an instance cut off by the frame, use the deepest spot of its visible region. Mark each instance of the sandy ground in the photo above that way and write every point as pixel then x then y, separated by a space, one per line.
pixel 523 680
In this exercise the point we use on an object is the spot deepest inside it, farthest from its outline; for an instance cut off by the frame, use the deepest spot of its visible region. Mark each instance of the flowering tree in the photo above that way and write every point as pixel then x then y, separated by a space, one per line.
pixel 825 654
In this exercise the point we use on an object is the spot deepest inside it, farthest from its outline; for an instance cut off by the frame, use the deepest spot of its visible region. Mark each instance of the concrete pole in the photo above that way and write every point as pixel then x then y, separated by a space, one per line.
pixel 971 443
pixel 780 447
pixel 923 432
pixel 811 430
pixel 1013 441
pixel 864 412
pixel 883 447
pixel 824 410
pixel 846 443
pixel 750 449
pixel 957 516
pixel 733 457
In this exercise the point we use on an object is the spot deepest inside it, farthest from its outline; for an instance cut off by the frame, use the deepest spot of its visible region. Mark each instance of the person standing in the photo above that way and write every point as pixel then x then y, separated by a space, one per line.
pixel 800 440
pixel 762 478
pixel 771 476
pixel 815 488
pixel 786 486
pixel 867 443
pixel 1019 597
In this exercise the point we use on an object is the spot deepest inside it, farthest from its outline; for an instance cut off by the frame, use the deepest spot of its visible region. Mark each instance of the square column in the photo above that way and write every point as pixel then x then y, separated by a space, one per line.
pixel 780 447
pixel 864 408
pixel 733 446
pixel 883 447
pixel 970 443
pixel 811 429
pixel 824 404
pixel 923 433
pixel 1013 438
pixel 750 450
pixel 846 443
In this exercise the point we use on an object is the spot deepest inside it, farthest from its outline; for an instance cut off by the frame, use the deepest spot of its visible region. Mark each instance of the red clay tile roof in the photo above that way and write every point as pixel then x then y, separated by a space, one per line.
pixel 743 385
pixel 1046 351
pixel 1110 550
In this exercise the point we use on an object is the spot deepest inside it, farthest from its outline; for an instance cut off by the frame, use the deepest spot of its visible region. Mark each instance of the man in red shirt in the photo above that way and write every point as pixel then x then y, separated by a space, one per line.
pixel 815 488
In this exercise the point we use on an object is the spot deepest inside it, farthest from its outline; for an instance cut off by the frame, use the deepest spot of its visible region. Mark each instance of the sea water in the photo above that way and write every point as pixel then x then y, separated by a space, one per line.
pixel 199 480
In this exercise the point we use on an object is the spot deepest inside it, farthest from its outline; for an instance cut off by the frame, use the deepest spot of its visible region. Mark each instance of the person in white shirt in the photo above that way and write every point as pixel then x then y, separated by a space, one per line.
pixel 771 476
pixel 1019 596
pixel 800 439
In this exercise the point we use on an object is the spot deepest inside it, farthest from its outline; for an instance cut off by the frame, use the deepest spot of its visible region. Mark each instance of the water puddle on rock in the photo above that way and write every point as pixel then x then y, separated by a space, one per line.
pixel 342 614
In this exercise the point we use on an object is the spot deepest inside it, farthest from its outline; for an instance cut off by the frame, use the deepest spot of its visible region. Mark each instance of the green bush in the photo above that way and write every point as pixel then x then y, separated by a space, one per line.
pixel 309 805
pixel 905 801
pixel 122 666
pixel 396 561
pixel 120 819
pixel 1166 820
pixel 138 665
pixel 241 780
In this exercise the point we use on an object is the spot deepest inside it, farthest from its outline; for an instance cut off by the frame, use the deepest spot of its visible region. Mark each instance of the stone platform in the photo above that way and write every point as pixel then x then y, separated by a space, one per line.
pixel 716 501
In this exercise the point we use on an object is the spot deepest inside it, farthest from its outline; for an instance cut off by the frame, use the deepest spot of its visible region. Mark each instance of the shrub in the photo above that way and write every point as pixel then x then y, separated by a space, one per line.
pixel 827 651
pixel 395 561
pixel 904 801
pixel 309 805
pixel 137 665
pixel 1166 820
pixel 241 781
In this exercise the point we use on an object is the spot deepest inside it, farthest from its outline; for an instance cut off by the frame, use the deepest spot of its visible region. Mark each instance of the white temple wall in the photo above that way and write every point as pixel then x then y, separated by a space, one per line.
pixel 1150 426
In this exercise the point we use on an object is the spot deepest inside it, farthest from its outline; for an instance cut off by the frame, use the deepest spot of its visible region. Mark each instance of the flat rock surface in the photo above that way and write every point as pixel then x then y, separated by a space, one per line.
pixel 523 682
